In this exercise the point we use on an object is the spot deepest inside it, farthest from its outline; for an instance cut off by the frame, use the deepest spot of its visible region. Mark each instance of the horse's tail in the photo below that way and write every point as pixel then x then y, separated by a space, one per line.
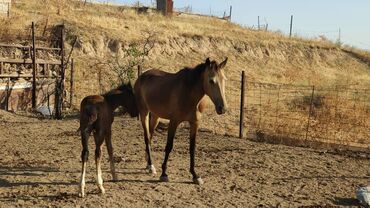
pixel 89 114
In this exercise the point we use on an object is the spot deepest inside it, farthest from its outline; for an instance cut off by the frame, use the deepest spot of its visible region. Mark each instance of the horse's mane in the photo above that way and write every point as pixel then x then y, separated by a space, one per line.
pixel 119 89
pixel 192 75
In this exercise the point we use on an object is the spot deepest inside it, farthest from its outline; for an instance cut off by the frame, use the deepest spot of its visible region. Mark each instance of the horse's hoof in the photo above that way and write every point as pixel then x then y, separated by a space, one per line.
pixel 102 190
pixel 198 181
pixel 164 179
pixel 151 169
pixel 81 195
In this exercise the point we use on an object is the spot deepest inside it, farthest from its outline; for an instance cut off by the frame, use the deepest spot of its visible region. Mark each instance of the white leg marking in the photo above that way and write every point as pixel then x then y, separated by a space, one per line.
pixel 99 177
pixel 82 181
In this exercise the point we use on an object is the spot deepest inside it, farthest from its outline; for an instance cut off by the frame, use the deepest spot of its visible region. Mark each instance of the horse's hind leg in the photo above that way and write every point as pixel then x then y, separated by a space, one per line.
pixel 193 134
pixel 99 139
pixel 108 142
pixel 152 125
pixel 85 133
pixel 170 136
pixel 145 123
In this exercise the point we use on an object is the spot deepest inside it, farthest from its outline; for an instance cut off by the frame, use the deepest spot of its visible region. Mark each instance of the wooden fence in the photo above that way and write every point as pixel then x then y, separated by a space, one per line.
pixel 22 61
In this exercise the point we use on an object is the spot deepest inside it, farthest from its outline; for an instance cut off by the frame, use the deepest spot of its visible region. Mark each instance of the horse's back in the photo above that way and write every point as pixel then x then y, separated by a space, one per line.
pixel 155 90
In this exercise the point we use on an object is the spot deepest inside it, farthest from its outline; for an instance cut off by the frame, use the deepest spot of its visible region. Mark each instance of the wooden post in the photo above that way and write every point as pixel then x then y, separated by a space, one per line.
pixel 231 10
pixel 310 112
pixel 8 13
pixel 60 83
pixel 259 27
pixel 139 71
pixel 242 95
pixel 71 84
pixel 291 26
pixel 7 95
pixel 34 67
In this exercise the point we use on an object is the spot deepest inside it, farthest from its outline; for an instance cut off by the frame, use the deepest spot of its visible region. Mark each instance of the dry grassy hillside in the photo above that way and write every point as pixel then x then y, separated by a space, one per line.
pixel 186 40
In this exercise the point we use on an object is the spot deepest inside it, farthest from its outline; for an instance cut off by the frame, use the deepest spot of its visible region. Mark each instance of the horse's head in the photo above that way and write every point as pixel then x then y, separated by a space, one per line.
pixel 214 84
pixel 129 99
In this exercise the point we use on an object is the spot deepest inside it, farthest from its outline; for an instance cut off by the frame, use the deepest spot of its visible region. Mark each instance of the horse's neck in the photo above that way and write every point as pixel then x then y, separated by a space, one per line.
pixel 197 89
pixel 113 101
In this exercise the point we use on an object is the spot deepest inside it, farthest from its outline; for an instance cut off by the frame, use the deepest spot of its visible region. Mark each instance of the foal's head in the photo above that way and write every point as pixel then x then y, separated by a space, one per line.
pixel 128 99
pixel 214 84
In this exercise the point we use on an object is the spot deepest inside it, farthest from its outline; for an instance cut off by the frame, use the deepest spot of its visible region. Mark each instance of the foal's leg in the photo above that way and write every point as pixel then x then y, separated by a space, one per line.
pixel 170 135
pixel 145 123
pixel 108 142
pixel 152 125
pixel 99 139
pixel 85 133
pixel 193 134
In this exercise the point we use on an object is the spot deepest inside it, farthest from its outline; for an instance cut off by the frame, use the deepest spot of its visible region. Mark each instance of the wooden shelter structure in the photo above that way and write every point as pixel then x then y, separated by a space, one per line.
pixel 165 7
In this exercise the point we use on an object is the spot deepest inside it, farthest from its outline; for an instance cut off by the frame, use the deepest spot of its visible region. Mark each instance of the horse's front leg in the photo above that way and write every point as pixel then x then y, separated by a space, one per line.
pixel 170 136
pixel 193 134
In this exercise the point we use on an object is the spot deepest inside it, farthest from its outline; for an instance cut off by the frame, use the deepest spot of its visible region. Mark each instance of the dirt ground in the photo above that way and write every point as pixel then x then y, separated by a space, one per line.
pixel 40 167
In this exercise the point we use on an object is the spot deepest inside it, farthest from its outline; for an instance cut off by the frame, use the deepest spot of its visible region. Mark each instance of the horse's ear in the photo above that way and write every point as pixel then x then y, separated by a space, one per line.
pixel 208 62
pixel 223 64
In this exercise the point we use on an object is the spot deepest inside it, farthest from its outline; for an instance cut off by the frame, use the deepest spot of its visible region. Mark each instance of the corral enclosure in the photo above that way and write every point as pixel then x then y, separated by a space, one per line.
pixel 297 92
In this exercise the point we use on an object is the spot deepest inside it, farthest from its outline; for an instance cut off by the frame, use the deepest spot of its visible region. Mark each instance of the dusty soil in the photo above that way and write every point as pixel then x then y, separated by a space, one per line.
pixel 40 167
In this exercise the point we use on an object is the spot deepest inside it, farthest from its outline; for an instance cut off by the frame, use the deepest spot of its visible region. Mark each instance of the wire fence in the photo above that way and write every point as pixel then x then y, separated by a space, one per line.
pixel 298 115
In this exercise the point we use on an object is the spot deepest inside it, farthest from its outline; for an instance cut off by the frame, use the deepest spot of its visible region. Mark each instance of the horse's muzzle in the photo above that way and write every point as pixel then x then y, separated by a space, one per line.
pixel 220 109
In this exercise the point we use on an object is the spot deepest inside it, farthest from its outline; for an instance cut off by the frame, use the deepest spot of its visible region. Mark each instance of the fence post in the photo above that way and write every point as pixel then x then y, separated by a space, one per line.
pixel 71 84
pixel 231 10
pixel 242 95
pixel 34 67
pixel 139 71
pixel 60 83
pixel 7 95
pixel 8 13
pixel 291 26
pixel 310 112
pixel 259 27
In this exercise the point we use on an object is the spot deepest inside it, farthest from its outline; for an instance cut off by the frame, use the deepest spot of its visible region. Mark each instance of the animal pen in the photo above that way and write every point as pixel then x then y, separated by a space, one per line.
pixel 30 75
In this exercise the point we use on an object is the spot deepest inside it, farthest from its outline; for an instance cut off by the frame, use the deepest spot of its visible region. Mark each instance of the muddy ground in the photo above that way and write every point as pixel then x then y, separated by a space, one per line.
pixel 40 167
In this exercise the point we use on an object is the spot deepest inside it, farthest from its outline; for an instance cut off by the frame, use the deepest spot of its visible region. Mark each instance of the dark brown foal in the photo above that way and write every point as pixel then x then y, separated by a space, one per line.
pixel 96 115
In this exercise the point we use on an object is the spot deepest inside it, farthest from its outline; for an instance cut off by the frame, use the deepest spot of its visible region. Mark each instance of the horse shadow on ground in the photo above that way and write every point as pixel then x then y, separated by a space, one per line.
pixel 350 202
pixel 29 171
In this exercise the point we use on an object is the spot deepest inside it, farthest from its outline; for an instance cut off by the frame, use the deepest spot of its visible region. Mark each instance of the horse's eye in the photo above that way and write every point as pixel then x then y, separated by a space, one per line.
pixel 212 81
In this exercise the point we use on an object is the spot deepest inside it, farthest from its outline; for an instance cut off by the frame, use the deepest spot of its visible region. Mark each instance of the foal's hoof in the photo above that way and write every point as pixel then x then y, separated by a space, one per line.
pixel 198 181
pixel 164 179
pixel 81 195
pixel 151 169
pixel 101 189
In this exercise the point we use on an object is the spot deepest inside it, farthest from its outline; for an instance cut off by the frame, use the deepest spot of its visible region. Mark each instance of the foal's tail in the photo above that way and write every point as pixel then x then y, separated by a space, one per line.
pixel 89 114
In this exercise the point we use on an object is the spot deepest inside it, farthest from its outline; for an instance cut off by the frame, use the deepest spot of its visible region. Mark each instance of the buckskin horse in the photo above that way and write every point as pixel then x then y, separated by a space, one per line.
pixel 178 97
pixel 96 115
